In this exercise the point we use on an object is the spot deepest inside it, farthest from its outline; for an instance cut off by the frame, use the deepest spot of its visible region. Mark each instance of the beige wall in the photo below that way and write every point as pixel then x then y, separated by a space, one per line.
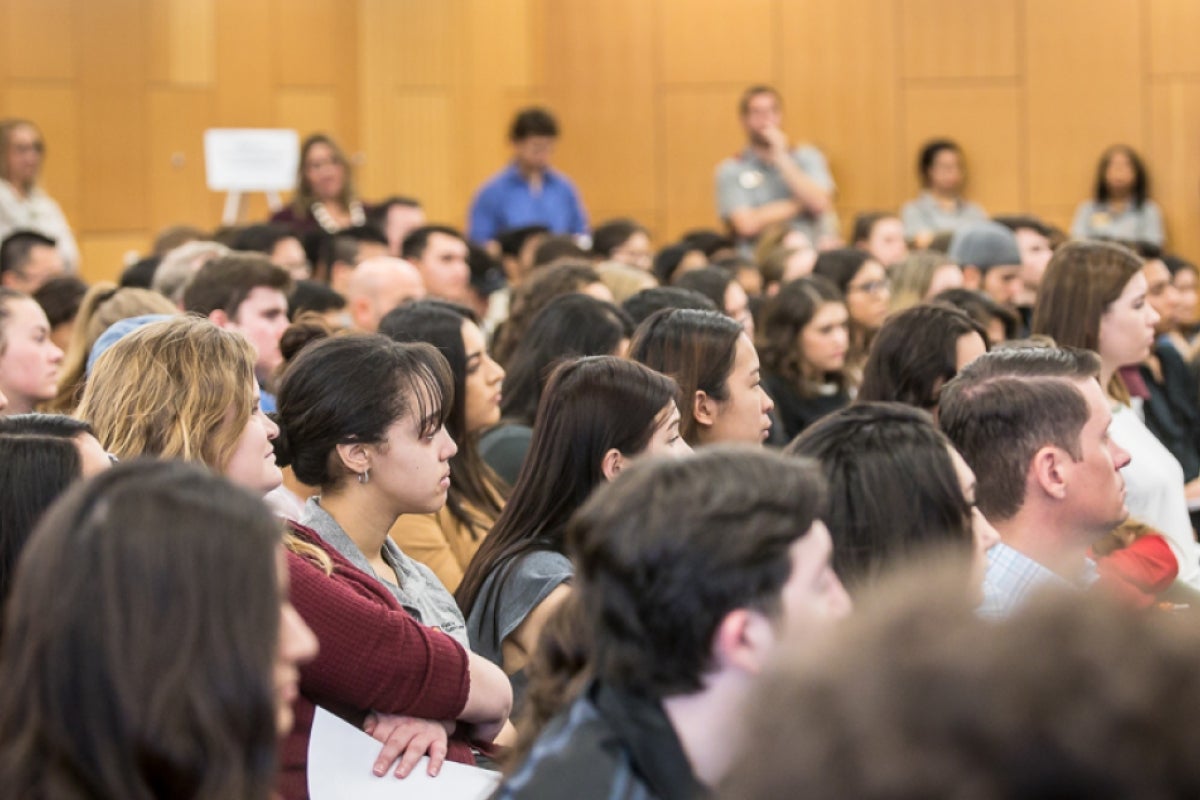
pixel 421 92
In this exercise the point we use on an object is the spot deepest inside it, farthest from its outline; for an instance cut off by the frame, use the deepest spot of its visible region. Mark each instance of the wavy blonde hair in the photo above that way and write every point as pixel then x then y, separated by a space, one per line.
pixel 104 305
pixel 182 388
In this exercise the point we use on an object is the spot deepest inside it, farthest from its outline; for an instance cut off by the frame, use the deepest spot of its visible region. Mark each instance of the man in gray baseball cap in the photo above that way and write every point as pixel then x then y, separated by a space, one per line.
pixel 990 260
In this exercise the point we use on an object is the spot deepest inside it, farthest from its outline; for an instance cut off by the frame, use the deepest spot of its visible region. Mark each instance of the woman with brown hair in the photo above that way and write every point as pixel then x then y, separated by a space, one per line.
pixel 325 198
pixel 1093 295
pixel 804 342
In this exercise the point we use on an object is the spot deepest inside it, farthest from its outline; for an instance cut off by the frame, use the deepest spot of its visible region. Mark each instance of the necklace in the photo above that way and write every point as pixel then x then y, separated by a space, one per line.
pixel 321 214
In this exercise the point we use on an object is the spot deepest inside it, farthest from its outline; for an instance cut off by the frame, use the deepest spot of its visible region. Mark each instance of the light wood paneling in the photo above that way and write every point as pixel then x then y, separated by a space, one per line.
pixel 427 42
pixel 104 255
pixel 843 98
pixel 424 153
pixel 601 89
pixel 1084 91
pixel 309 41
pixel 245 80
pixel 55 109
pixel 985 121
pixel 183 42
pixel 957 39
pixel 690 160
pixel 39 40
pixel 1175 116
pixel 310 110
pixel 1173 25
pixel 177 191
pixel 714 41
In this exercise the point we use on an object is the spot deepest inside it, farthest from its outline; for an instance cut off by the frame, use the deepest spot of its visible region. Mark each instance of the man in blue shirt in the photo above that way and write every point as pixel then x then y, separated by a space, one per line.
pixel 527 191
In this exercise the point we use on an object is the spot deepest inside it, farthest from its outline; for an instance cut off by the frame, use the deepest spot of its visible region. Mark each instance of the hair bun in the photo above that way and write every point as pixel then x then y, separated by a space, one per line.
pixel 307 328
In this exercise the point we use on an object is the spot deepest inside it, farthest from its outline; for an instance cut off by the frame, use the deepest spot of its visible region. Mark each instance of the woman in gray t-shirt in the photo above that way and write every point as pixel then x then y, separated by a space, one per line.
pixel 596 413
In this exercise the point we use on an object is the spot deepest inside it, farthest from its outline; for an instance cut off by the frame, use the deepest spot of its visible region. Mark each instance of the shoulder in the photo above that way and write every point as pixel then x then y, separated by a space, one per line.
pixel 544 564
pixel 577 754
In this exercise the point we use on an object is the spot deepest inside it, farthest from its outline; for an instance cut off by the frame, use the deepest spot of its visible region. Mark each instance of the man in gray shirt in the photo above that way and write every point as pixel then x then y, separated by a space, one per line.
pixel 771 181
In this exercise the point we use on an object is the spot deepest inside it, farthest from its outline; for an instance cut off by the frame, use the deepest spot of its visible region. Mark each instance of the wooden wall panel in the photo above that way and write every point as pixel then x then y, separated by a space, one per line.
pixel 690 160
pixel 1172 36
pixel 55 109
pixel 601 89
pixel 843 98
pixel 40 39
pixel 244 43
pixel 177 191
pixel 986 122
pixel 1175 116
pixel 424 155
pixel 956 39
pixel 183 42
pixel 1081 95
pixel 309 41
pixel 105 255
pixel 310 110
pixel 716 41
pixel 427 42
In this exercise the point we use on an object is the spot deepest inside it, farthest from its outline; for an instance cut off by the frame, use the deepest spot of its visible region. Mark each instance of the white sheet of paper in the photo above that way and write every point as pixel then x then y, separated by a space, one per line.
pixel 340 758
pixel 251 159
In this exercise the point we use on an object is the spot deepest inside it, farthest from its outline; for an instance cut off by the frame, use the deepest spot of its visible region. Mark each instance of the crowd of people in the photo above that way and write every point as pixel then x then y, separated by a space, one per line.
pixel 734 515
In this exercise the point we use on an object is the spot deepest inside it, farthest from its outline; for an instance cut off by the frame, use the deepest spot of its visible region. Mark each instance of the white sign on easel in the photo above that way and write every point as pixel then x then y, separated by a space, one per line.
pixel 240 160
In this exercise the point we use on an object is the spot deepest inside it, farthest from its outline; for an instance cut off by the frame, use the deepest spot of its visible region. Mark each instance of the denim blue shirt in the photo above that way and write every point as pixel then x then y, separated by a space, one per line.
pixel 508 201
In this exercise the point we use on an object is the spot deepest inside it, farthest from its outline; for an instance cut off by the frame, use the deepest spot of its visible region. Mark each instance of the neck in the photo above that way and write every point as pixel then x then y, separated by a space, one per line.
pixel 1119 196
pixel 710 724
pixel 1047 538
pixel 1106 373
pixel 364 519
pixel 945 195
pixel 22 190
pixel 17 405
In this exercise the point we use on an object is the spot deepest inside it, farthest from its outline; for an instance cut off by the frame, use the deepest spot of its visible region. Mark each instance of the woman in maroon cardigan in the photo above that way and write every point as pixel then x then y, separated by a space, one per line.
pixel 362 418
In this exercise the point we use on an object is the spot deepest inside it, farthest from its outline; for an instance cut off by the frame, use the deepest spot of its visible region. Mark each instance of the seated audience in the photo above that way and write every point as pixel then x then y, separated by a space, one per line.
pixel 140 274
pixel 624 241
pixel 990 261
pixel 396 216
pixel 279 243
pixel 314 297
pixel 1184 277
pixel 866 290
pixel 440 254
pixel 446 540
pixel 916 352
pixel 729 540
pixel 178 699
pixel 804 342
pixel 1094 296
pixel 379 285
pixel 719 285
pixel 103 306
pixel 325 198
pixel 941 207
pixel 882 235
pixel 177 267
pixel 624 281
pixel 246 294
pixel 922 276
pixel 363 418
pixel 1069 698
pixel 597 415
pixel 1033 242
pixel 570 326
pixel 60 298
pixel 28 260
pixel 1033 423
pixel 545 284
pixel 716 368
pixel 30 362
pixel 999 321
pixel 641 306
pixel 335 255
pixel 1120 207
pixel 24 205
pixel 899 491
pixel 674 260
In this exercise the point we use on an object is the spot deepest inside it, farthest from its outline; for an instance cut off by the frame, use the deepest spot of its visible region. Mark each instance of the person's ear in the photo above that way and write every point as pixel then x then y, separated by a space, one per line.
pixel 354 457
pixel 972 277
pixel 612 463
pixel 360 312
pixel 219 318
pixel 743 641
pixel 704 408
pixel 1049 469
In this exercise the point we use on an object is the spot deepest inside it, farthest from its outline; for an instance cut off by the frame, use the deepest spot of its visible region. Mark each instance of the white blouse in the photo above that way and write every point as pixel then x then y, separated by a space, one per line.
pixel 37 212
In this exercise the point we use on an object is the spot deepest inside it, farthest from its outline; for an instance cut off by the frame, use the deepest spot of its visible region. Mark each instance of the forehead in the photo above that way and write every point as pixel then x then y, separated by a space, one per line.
pixel 263 298
pixel 446 245
pixel 472 338
pixel 811 551
pixel 1156 271
pixel 319 152
pixel 762 102
pixel 1099 414
pixel 829 313
pixel 26 313
pixel 745 357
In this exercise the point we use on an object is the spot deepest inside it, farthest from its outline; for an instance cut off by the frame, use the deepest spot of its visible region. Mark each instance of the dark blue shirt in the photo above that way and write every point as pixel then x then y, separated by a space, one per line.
pixel 507 201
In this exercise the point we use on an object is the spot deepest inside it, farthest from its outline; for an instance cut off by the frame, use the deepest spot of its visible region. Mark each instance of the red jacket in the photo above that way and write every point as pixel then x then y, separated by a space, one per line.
pixel 373 657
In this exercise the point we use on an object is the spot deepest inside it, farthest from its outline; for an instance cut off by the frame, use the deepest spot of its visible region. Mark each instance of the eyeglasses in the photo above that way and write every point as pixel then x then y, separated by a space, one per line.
pixel 871 287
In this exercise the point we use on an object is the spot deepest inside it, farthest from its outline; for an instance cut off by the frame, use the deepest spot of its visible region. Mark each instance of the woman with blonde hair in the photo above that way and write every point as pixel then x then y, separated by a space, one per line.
pixel 920 277
pixel 103 305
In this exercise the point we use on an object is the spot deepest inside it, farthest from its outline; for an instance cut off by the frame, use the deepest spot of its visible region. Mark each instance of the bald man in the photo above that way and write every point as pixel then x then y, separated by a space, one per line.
pixel 378 285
